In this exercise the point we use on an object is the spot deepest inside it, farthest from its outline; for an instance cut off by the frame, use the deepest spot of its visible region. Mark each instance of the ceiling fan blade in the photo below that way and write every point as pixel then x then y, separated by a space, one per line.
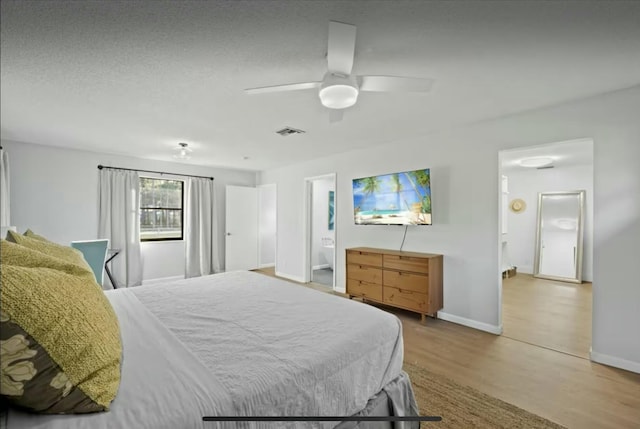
pixel 394 84
pixel 335 115
pixel 279 88
pixel 341 47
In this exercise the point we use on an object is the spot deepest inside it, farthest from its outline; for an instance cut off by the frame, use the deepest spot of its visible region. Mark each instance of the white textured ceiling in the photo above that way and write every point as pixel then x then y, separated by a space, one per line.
pixel 136 78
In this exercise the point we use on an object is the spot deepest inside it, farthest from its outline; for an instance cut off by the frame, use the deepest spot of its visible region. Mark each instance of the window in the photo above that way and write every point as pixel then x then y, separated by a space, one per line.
pixel 161 209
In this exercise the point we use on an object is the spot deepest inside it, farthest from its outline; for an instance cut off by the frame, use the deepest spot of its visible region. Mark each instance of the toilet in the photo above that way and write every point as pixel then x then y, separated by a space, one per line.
pixel 328 248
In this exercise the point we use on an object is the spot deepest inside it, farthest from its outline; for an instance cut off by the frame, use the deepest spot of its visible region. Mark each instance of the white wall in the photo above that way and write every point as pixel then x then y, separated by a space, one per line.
pixel 320 220
pixel 465 189
pixel 54 191
pixel 526 184
pixel 267 225
pixel 162 259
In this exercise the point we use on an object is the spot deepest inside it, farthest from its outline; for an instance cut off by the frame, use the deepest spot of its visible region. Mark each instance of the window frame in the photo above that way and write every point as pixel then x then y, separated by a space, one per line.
pixel 181 238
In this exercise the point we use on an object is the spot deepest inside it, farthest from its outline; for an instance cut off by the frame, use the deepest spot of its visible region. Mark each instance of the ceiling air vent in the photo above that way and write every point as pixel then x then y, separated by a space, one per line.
pixel 545 167
pixel 287 131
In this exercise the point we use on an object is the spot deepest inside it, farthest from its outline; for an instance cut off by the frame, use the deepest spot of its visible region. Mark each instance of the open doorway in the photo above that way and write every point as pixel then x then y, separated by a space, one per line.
pixel 320 236
pixel 552 313
pixel 267 226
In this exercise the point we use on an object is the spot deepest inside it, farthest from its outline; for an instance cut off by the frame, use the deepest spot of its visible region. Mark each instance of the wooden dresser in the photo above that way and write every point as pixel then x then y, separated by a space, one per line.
pixel 408 280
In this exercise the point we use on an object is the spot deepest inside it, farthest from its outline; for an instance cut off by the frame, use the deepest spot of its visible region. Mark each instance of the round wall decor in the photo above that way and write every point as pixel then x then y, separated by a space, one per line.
pixel 518 205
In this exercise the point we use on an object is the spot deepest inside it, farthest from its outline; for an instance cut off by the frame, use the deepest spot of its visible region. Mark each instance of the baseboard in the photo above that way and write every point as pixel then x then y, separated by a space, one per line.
pixel 290 277
pixel 492 329
pixel 614 361
pixel 526 269
pixel 266 265
pixel 340 289
pixel 320 267
pixel 161 280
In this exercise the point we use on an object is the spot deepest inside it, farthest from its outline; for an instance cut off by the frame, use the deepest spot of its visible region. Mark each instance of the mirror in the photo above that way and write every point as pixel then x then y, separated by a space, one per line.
pixel 559 236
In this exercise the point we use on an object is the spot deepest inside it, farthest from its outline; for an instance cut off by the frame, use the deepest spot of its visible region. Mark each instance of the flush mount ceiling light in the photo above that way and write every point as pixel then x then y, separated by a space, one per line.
pixel 541 161
pixel 183 151
pixel 566 224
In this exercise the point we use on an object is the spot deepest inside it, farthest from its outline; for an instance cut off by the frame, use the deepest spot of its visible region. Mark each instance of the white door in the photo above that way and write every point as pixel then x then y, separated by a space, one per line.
pixel 241 244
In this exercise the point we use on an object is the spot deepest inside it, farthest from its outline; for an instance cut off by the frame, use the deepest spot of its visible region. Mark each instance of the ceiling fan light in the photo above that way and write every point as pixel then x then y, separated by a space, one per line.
pixel 537 162
pixel 338 96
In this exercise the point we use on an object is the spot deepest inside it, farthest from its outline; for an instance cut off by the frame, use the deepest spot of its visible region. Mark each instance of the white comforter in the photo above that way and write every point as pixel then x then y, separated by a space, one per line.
pixel 240 343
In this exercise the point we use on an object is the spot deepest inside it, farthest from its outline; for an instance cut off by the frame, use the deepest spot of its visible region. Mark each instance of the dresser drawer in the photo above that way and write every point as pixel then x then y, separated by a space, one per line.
pixel 364 273
pixel 403 280
pixel 405 299
pixel 406 263
pixel 364 289
pixel 364 258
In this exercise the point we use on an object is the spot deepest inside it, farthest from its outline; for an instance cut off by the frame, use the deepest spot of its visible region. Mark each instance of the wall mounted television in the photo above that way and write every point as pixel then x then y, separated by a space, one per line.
pixel 402 198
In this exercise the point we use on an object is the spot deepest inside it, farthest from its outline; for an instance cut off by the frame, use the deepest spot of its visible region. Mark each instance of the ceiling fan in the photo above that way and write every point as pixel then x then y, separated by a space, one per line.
pixel 339 89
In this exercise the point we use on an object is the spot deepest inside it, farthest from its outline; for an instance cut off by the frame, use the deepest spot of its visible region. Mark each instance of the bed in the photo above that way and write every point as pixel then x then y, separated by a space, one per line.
pixel 245 344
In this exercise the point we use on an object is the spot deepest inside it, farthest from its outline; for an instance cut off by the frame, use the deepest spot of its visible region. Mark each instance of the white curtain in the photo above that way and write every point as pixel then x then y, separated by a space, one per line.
pixel 4 189
pixel 119 221
pixel 201 253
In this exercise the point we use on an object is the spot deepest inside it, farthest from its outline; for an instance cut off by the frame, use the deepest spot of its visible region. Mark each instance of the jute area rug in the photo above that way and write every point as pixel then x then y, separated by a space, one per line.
pixel 465 407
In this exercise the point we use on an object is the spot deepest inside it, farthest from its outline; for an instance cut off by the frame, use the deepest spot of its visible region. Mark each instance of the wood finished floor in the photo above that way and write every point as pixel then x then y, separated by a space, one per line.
pixel 561 387
pixel 548 313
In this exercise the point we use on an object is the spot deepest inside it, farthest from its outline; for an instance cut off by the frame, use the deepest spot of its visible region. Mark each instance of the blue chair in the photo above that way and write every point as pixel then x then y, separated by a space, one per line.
pixel 95 253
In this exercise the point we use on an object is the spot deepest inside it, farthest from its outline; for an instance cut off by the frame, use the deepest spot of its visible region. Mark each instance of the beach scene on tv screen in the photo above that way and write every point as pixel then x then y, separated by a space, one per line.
pixel 393 199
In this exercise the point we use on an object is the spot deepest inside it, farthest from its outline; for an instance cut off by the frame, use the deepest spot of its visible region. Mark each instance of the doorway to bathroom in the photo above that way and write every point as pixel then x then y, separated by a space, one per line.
pixel 320 204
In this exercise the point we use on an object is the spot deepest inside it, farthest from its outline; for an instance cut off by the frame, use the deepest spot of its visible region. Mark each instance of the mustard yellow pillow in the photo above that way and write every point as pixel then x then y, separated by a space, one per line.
pixel 32 234
pixel 50 248
pixel 24 256
pixel 60 339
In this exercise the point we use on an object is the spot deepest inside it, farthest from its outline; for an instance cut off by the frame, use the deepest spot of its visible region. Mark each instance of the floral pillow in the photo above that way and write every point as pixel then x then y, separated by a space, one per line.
pixel 60 347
